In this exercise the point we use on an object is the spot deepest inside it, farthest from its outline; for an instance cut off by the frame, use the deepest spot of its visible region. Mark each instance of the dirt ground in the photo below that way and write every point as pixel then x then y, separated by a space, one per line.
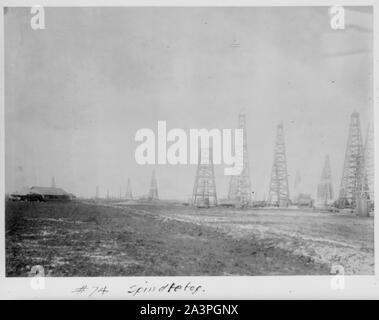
pixel 161 239
pixel 327 238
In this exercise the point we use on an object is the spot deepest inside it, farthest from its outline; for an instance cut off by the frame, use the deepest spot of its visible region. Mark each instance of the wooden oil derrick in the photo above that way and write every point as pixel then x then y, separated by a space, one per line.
pixel 153 191
pixel 53 184
pixel 297 186
pixel 128 193
pixel 204 191
pixel 369 162
pixel 325 188
pixel 279 192
pixel 353 186
pixel 239 186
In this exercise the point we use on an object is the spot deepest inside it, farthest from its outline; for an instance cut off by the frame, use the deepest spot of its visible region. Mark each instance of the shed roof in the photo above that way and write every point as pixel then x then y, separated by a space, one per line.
pixel 22 192
pixel 48 191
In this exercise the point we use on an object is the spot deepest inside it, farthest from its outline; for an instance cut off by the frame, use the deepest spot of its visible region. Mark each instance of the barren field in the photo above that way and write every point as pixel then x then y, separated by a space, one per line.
pixel 167 239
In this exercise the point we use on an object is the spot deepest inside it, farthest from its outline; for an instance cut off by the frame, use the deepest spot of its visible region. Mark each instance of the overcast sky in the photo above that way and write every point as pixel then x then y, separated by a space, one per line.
pixel 77 92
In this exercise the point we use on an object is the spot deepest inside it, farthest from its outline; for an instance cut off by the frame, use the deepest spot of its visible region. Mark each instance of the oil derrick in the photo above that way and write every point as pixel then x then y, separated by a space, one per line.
pixel 153 191
pixel 97 192
pixel 297 185
pixel 297 181
pixel 369 162
pixel 53 185
pixel 279 192
pixel 239 186
pixel 107 193
pixel 354 182
pixel 204 191
pixel 324 188
pixel 129 194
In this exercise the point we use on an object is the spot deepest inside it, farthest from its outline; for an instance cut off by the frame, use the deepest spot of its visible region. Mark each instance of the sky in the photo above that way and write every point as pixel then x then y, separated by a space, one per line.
pixel 77 91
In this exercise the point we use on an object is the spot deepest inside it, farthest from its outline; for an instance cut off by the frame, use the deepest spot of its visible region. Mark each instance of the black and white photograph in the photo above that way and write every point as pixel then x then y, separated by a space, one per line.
pixel 163 141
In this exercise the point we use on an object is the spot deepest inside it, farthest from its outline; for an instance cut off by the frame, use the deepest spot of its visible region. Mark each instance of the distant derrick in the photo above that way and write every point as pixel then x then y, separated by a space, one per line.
pixel 97 192
pixel 324 188
pixel 354 180
pixel 204 191
pixel 53 185
pixel 369 162
pixel 279 193
pixel 153 191
pixel 297 185
pixel 297 181
pixel 239 186
pixel 128 193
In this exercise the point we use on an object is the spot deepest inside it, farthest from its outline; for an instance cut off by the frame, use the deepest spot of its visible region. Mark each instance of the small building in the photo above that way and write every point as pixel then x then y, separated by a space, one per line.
pixel 41 194
pixel 304 200
pixel 25 194
pixel 51 193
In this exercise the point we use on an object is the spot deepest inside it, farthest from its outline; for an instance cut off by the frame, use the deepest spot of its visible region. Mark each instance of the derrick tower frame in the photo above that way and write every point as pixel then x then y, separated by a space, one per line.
pixel 153 191
pixel 279 192
pixel 204 190
pixel 354 180
pixel 369 161
pixel 325 188
pixel 128 193
pixel 240 186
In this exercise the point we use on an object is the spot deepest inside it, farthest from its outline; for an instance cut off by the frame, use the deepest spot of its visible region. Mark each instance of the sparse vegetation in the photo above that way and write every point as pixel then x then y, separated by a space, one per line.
pixel 84 239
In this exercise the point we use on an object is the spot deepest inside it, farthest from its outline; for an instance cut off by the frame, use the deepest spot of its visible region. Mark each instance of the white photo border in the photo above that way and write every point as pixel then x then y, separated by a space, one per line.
pixel 243 287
